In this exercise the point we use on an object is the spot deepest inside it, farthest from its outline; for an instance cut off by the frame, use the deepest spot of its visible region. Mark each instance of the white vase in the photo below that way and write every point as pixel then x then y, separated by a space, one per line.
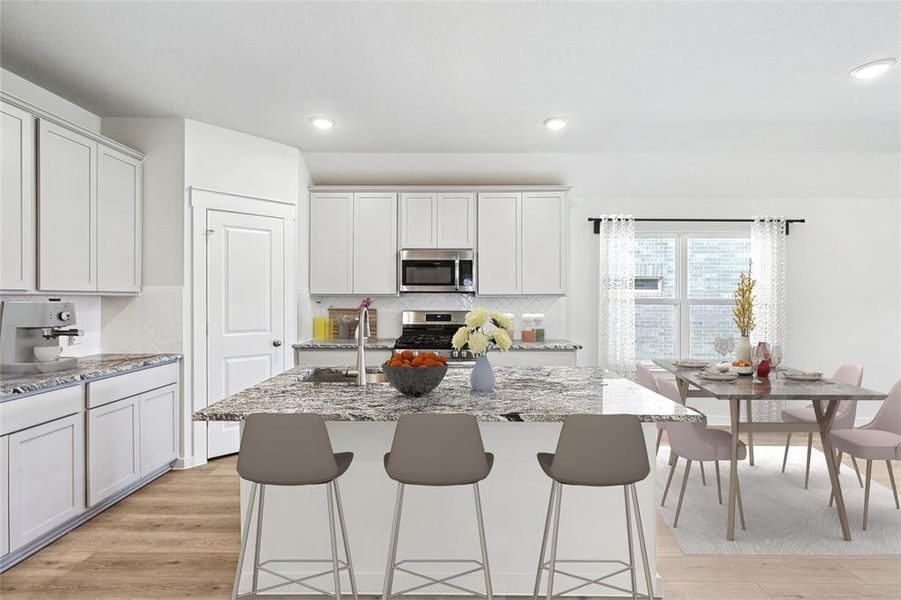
pixel 482 377
pixel 743 349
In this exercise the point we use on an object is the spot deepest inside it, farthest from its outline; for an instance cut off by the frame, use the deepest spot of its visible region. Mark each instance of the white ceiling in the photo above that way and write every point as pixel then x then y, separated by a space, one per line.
pixel 479 77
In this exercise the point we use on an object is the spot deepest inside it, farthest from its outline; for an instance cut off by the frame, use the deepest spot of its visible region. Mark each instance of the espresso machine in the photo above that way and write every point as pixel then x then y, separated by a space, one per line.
pixel 29 336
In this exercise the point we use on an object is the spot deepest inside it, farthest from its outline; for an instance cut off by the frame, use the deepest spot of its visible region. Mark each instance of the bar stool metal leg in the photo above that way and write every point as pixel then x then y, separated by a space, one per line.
pixel 334 544
pixel 552 564
pixel 256 550
pixel 350 565
pixel 392 547
pixel 244 534
pixel 547 527
pixel 478 499
pixel 641 543
pixel 631 547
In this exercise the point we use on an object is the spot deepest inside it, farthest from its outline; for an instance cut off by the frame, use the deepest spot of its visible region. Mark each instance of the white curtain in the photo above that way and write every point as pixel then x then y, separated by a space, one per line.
pixel 768 268
pixel 616 311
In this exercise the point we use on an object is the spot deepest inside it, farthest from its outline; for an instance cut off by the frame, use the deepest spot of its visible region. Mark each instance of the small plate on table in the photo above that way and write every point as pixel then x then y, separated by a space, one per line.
pixel 711 376
pixel 803 376
pixel 690 364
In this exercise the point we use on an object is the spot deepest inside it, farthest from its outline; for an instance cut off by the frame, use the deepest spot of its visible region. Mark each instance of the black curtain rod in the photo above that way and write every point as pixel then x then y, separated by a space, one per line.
pixel 788 222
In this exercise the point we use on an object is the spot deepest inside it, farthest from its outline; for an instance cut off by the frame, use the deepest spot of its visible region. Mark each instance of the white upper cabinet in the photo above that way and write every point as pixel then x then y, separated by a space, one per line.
pixel 331 243
pixel 418 220
pixel 353 243
pixel 498 255
pixel 445 220
pixel 456 220
pixel 543 264
pixel 17 200
pixel 375 244
pixel 67 225
pixel 522 243
pixel 119 183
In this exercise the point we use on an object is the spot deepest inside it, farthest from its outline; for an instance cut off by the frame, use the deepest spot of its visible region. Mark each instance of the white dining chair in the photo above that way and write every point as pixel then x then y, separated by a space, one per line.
pixel 844 416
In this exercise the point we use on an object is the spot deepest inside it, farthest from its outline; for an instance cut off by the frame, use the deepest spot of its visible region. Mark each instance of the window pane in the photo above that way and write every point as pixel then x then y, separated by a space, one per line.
pixel 655 267
pixel 714 265
pixel 655 331
pixel 706 323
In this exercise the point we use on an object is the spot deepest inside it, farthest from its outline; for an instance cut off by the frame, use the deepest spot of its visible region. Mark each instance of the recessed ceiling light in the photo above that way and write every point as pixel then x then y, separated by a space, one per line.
pixel 321 122
pixel 873 69
pixel 555 123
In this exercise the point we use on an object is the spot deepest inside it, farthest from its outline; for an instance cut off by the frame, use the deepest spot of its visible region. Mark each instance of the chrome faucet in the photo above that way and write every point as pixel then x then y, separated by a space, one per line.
pixel 362 335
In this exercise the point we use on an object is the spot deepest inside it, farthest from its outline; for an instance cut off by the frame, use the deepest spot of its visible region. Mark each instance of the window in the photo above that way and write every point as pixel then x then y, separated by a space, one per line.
pixel 690 303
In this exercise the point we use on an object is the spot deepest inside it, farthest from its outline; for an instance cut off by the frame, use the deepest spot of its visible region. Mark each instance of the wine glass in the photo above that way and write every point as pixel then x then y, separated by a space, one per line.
pixel 757 357
pixel 776 356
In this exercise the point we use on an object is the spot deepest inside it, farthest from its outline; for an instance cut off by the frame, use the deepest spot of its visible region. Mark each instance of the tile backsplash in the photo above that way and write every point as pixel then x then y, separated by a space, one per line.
pixel 390 308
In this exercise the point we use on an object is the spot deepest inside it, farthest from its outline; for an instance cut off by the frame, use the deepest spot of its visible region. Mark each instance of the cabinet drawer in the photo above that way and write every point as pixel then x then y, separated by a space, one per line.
pixel 29 411
pixel 122 386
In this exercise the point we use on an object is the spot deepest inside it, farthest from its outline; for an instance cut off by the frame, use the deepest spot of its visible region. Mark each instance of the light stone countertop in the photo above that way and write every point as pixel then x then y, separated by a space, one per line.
pixel 388 344
pixel 531 394
pixel 96 366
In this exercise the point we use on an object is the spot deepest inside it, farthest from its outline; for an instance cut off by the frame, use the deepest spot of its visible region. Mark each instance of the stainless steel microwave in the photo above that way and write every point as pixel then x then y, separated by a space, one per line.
pixel 430 270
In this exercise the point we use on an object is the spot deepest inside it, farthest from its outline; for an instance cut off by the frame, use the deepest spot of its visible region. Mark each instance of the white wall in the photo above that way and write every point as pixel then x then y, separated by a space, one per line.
pixel 38 96
pixel 844 278
pixel 305 308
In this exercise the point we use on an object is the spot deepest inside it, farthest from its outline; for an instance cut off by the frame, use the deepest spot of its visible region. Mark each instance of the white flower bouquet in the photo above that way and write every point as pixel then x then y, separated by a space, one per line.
pixel 484 331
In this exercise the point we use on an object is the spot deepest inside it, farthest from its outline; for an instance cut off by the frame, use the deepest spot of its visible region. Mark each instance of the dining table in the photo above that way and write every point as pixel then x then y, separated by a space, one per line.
pixel 823 394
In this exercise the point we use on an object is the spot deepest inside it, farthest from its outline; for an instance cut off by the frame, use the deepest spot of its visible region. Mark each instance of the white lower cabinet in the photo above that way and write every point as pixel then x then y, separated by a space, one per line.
pixel 46 477
pixel 159 433
pixel 4 495
pixel 114 460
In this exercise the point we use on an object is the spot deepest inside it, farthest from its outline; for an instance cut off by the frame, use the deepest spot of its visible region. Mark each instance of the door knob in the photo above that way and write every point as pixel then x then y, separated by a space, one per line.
pixel 276 343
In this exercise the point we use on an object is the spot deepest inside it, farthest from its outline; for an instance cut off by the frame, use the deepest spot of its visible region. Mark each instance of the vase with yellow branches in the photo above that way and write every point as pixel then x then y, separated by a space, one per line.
pixel 743 316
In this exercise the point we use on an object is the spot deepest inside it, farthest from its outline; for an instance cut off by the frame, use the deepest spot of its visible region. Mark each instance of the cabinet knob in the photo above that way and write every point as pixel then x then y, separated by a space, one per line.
pixel 276 343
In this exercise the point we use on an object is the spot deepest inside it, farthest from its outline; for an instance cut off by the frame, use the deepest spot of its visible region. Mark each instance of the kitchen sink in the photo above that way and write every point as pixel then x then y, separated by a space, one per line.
pixel 346 376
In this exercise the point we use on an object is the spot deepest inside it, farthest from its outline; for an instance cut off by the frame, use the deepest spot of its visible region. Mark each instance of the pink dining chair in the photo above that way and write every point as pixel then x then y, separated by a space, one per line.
pixel 844 416
pixel 880 439
pixel 665 388
pixel 695 442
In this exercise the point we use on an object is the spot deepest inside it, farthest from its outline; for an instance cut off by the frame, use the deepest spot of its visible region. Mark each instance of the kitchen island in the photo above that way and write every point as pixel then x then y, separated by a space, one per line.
pixel 519 418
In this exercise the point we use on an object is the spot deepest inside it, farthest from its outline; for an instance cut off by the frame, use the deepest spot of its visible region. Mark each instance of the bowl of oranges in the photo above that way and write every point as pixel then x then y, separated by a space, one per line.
pixel 414 374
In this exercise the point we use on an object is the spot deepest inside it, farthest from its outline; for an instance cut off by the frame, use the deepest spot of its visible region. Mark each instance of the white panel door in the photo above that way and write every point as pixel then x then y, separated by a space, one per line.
pixel 114 460
pixel 418 220
pixel 17 204
pixel 375 243
pixel 4 495
pixel 499 244
pixel 245 310
pixel 118 222
pixel 456 220
pixel 331 243
pixel 67 210
pixel 46 478
pixel 159 433
pixel 543 242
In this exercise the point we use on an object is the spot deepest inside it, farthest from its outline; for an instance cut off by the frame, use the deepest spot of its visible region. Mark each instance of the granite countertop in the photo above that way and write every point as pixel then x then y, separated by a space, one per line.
pixel 531 394
pixel 388 344
pixel 14 385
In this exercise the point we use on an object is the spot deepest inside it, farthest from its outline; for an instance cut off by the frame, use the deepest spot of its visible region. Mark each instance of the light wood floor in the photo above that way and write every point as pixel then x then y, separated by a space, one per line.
pixel 178 537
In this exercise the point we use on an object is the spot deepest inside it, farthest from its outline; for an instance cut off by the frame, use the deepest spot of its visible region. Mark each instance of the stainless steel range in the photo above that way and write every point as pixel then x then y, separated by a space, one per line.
pixel 433 331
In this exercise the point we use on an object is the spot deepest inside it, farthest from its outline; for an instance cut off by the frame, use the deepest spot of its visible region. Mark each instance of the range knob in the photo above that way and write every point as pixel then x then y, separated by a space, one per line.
pixel 65 315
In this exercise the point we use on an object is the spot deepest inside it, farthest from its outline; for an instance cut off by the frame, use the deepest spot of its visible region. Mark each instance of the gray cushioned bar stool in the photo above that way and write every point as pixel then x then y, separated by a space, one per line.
pixel 437 450
pixel 596 451
pixel 280 449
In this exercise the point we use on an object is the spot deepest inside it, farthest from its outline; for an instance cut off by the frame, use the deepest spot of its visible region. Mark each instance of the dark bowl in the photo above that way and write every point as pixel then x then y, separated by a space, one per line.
pixel 414 381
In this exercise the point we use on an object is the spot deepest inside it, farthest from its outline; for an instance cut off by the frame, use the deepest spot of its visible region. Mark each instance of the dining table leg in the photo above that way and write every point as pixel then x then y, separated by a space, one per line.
pixel 750 439
pixel 824 420
pixel 735 415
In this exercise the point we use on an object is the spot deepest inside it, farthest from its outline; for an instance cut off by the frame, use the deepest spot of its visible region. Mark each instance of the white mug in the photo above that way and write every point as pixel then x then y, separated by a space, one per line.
pixel 47 353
